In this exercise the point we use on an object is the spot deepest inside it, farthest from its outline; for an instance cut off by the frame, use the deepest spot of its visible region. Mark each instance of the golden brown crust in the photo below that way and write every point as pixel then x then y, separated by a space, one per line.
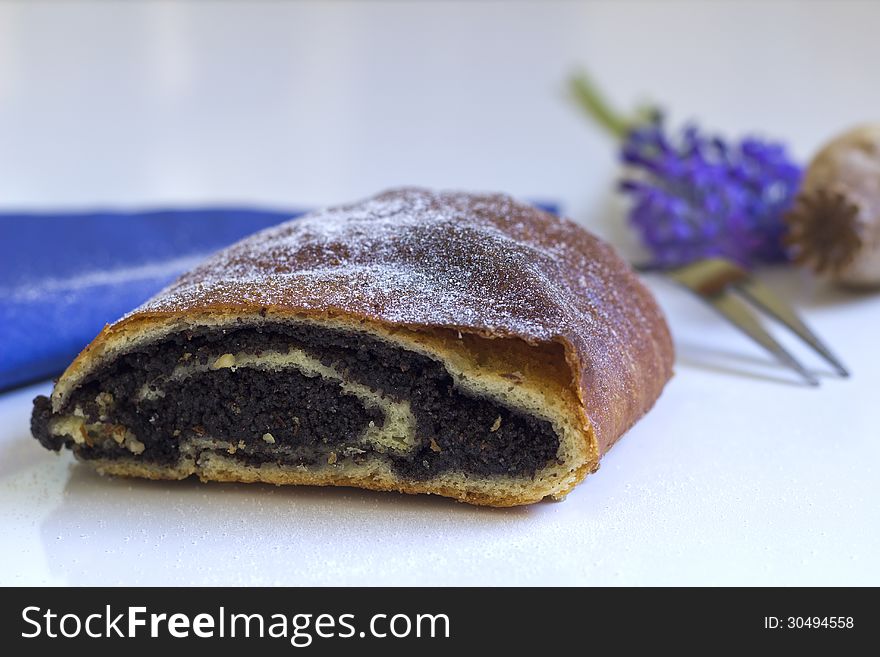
pixel 236 473
pixel 467 276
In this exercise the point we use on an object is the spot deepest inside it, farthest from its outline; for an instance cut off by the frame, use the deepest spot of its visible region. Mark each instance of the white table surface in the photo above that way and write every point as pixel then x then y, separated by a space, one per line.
pixel 739 476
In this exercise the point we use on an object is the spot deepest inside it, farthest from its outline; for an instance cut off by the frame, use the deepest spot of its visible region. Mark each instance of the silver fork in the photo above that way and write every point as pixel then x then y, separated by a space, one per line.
pixel 727 286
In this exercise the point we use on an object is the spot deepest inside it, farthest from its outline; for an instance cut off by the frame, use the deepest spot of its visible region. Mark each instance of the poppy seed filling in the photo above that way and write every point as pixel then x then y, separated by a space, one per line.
pixel 292 395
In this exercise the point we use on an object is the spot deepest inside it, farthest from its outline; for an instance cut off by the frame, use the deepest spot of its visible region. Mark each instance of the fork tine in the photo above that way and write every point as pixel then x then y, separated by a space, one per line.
pixel 715 279
pixel 739 314
pixel 763 298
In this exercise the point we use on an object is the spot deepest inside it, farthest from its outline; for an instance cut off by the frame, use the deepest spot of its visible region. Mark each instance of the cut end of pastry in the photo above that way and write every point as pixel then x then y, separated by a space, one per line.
pixel 426 342
pixel 306 402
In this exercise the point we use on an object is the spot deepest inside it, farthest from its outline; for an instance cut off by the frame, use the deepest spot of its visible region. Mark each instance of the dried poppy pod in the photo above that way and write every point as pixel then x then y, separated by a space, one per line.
pixel 834 227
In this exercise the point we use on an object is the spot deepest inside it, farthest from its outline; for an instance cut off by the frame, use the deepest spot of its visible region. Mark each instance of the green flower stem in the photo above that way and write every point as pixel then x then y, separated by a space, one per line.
pixel 587 95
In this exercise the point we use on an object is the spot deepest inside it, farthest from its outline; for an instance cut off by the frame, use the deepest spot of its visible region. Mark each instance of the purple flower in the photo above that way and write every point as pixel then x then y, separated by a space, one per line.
pixel 696 196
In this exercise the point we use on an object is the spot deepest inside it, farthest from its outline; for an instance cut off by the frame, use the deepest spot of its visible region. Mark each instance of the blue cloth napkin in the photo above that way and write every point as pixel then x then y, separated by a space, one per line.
pixel 64 276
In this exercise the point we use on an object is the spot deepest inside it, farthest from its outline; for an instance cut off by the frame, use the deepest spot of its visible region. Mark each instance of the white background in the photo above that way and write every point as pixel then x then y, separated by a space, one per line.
pixel 739 476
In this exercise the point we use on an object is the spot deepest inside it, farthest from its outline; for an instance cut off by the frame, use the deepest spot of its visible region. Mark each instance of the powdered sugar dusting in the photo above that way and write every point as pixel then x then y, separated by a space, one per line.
pixel 417 257
pixel 442 259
